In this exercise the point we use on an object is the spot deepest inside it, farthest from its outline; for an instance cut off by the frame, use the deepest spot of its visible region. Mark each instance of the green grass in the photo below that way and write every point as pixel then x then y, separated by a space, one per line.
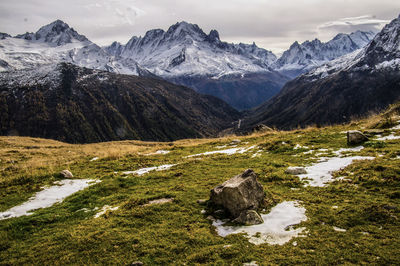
pixel 177 233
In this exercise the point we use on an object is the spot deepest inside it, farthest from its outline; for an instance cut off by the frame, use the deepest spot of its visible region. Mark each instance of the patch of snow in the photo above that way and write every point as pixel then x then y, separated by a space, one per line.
pixel 143 171
pixel 49 196
pixel 308 152
pixel 337 229
pixel 343 150
pixel 319 174
pixel 394 63
pixel 159 201
pixel 158 152
pixel 276 229
pixel 251 263
pixel 221 146
pixel 298 146
pixel 390 137
pixel 257 154
pixel 105 209
pixel 227 151
pixel 94 159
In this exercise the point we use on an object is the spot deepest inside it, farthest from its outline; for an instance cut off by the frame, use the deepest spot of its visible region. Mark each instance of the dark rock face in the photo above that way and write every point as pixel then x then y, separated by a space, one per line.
pixel 240 193
pixel 355 137
pixel 80 105
pixel 240 92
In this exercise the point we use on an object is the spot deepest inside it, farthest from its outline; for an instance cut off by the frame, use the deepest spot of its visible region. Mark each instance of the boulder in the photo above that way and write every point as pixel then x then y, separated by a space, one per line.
pixel 240 193
pixel 262 128
pixel 355 137
pixel 249 217
pixel 296 171
pixel 66 174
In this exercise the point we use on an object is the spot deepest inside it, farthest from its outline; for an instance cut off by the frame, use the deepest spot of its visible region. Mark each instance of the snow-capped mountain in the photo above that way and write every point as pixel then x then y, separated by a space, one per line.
pixel 352 86
pixel 55 43
pixel 244 75
pixel 240 74
pixel 57 33
pixel 184 49
pixel 300 58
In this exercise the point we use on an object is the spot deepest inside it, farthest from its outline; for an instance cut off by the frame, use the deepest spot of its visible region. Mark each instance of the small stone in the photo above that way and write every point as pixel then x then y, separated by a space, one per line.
pixel 250 217
pixel 355 137
pixel 296 171
pixel 202 201
pixel 66 174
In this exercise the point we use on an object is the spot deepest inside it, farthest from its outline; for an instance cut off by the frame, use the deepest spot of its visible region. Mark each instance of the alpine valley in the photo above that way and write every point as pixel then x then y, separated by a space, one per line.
pixel 56 83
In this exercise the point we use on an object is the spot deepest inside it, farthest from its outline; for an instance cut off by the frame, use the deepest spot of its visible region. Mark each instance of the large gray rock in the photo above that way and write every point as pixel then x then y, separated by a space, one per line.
pixel 249 217
pixel 355 137
pixel 240 193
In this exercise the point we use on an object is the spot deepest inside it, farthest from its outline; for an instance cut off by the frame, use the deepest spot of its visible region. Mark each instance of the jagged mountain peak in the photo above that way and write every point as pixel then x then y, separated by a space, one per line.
pixel 184 26
pixel 300 58
pixel 4 35
pixel 58 33
pixel 385 47
pixel 213 37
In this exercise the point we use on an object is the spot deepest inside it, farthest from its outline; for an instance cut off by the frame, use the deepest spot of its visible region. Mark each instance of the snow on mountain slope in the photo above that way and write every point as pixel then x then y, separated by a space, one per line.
pixel 352 86
pixel 55 43
pixel 381 53
pixel 303 57
pixel 185 50
pixel 56 33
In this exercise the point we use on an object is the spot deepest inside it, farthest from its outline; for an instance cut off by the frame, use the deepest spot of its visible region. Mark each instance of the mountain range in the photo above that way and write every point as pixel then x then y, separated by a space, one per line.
pixel 243 75
pixel 56 83
pixel 352 86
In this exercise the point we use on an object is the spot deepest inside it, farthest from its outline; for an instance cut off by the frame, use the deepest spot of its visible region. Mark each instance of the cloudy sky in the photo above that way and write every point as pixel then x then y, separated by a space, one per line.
pixel 272 24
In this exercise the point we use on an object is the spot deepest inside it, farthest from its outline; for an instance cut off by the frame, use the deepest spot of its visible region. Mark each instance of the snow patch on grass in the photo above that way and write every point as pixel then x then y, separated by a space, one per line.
pixel 227 151
pixel 143 171
pixel 276 229
pixel 319 174
pixel 390 137
pixel 105 209
pixel 48 196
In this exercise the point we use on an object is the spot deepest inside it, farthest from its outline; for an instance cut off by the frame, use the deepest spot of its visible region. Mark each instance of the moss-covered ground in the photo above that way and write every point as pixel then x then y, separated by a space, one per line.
pixel 366 202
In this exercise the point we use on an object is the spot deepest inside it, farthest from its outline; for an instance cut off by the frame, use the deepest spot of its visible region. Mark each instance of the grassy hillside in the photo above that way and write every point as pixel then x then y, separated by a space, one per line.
pixel 365 203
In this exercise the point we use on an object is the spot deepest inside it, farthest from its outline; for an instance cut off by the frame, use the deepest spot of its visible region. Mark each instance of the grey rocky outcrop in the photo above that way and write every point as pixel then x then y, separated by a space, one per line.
pixel 355 137
pixel 240 194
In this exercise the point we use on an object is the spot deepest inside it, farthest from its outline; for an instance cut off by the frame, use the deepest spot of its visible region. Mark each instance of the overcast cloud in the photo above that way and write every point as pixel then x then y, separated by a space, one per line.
pixel 272 24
